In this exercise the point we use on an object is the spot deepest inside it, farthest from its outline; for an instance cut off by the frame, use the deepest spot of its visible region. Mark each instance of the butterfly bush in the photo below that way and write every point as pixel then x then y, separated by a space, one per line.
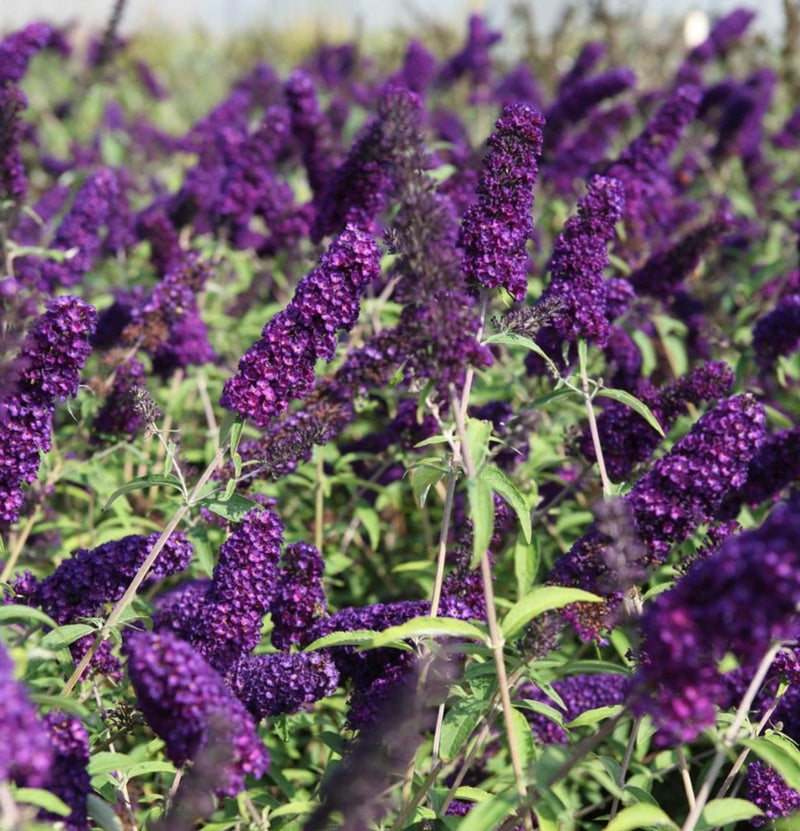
pixel 280 366
pixel 48 370
pixel 68 778
pixel 185 702
pixel 689 628
pixel 685 488
pixel 665 239
pixel 494 232
pixel 27 754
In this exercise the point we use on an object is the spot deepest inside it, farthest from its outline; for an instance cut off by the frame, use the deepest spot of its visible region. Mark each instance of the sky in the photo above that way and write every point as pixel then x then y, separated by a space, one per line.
pixel 339 17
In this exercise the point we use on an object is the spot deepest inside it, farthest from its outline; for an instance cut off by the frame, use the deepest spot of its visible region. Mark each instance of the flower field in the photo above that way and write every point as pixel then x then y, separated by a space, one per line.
pixel 400 439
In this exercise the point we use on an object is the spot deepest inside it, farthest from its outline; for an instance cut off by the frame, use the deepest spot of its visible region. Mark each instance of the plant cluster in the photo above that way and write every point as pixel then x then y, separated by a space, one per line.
pixel 409 447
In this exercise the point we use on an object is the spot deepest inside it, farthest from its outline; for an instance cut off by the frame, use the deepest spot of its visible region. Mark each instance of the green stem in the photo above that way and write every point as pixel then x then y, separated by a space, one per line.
pixel 587 398
pixel 130 592
pixel 496 639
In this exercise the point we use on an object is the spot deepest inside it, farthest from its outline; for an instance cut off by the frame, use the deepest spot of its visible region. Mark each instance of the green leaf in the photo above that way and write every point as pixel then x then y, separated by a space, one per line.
pixel 371 522
pixel 513 339
pixel 491 812
pixel 637 406
pixel 233 509
pixel 358 637
pixel 231 430
pixel 523 737
pixel 141 768
pixel 472 794
pixel 102 813
pixel 141 482
pixel 41 799
pixel 433 440
pixel 302 806
pixel 428 627
pixel 63 636
pixel 539 600
pixel 423 477
pixel 14 613
pixel 640 816
pixel 477 440
pixel 553 395
pixel 598 714
pixel 779 753
pixel 504 487
pixel 482 515
pixel 723 811
pixel 459 723
pixel 526 565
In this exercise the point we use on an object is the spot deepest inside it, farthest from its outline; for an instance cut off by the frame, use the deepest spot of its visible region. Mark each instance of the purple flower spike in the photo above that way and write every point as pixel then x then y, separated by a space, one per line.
pixel 300 597
pixel 69 779
pixel 26 755
pixel 685 489
pixel 18 48
pixel 242 589
pixel 739 601
pixel 777 333
pixel 579 694
pixel 78 237
pixel 579 258
pixel 358 189
pixel 767 789
pixel 49 366
pixel 495 232
pixel 187 704
pixel 271 685
pixel 81 585
pixel 13 181
pixel 280 366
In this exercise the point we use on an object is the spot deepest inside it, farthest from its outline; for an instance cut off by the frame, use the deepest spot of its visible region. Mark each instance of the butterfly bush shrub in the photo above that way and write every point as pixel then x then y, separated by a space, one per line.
pixel 400 437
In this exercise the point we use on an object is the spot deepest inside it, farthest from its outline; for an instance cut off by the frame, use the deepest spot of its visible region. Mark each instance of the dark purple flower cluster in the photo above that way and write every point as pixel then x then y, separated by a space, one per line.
pixel 179 609
pixel 81 585
pixel 78 239
pixel 13 181
pixel 185 702
pixel 590 55
pixel 495 231
pixel 473 60
pixel 26 756
pixel 242 589
pixel 666 269
pixel 788 136
pixel 688 629
pixel 777 333
pixel 723 35
pixel 359 188
pixel 53 355
pixel 274 684
pixel 579 99
pixel 578 693
pixel 117 417
pixel 767 789
pixel 567 169
pixel 17 49
pixel 311 130
pixel 643 168
pixel 299 599
pixel 280 366
pixel 684 489
pixel 69 779
pixel 775 466
pixel 627 439
pixel 418 69
pixel 580 256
